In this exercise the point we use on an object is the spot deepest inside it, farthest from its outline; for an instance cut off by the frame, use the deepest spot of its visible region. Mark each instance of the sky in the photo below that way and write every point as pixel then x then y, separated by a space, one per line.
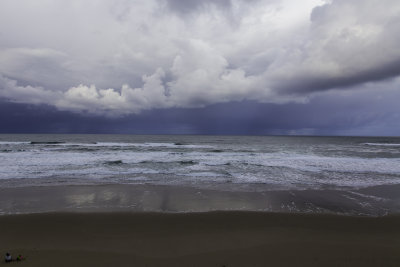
pixel 258 67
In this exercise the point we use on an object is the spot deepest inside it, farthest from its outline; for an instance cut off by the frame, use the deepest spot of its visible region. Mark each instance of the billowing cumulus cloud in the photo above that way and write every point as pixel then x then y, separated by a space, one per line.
pixel 120 57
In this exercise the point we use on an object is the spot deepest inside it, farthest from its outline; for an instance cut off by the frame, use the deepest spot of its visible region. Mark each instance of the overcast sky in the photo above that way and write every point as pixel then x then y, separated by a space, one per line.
pixel 200 66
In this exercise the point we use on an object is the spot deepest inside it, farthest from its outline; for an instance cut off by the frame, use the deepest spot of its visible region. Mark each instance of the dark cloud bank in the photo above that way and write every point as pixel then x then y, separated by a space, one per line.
pixel 324 115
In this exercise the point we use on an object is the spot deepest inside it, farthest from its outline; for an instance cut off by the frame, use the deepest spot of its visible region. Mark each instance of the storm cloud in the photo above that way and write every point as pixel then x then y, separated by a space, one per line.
pixel 119 57
pixel 189 6
pixel 370 110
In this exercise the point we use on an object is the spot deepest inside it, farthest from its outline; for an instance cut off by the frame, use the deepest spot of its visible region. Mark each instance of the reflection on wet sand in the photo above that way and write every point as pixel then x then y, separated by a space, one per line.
pixel 151 198
pixel 79 200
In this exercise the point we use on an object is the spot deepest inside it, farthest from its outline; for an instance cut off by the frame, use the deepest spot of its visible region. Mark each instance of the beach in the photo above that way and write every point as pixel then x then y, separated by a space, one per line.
pixel 200 239
pixel 200 133
pixel 93 200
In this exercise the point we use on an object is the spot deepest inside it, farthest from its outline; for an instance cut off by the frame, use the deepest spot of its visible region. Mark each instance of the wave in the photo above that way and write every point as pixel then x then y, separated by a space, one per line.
pixel 191 162
pixel 381 144
pixel 46 143
pixel 114 162
pixel 170 145
pixel 183 162
pixel 111 144
pixel 216 151
pixel 13 143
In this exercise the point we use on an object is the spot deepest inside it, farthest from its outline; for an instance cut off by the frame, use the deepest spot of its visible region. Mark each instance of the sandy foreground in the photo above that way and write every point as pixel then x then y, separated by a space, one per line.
pixel 200 239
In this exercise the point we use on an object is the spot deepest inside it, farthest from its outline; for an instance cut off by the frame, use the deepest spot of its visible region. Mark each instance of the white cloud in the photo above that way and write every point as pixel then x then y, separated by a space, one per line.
pixel 119 57
pixel 9 89
pixel 113 102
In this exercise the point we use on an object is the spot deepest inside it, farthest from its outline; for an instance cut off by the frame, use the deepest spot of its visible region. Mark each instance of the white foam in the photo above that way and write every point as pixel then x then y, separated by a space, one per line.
pixel 13 143
pixel 315 163
pixel 203 174
pixel 100 144
pixel 169 145
pixel 289 167
pixel 115 144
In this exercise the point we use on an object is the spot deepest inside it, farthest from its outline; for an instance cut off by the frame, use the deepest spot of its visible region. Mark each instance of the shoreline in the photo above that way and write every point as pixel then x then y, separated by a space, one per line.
pixel 228 238
pixel 371 201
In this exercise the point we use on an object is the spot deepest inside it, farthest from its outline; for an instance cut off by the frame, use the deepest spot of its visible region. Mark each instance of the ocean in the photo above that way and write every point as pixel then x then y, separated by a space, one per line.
pixel 229 165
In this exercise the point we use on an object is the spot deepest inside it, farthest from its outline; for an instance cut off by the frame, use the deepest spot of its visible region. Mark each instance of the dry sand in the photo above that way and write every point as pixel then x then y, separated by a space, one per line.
pixel 200 239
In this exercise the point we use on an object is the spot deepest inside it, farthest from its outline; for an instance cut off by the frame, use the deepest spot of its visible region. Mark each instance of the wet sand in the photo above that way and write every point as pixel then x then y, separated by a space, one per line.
pixel 372 201
pixel 200 239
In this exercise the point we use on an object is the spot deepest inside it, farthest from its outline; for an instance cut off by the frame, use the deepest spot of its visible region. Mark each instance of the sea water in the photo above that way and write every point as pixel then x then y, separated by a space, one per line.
pixel 177 173
pixel 236 163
